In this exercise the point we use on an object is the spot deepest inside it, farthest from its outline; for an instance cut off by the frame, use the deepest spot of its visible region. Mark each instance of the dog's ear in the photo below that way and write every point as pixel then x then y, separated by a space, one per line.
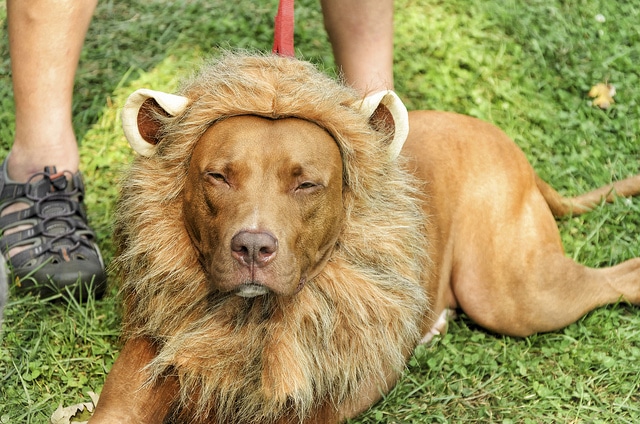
pixel 387 112
pixel 139 117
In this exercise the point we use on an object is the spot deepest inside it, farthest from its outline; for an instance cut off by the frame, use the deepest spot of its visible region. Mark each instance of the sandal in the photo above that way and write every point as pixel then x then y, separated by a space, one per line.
pixel 47 242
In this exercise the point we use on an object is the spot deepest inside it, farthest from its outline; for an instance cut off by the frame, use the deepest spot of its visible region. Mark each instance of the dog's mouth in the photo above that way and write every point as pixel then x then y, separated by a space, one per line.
pixel 249 290
pixel 255 289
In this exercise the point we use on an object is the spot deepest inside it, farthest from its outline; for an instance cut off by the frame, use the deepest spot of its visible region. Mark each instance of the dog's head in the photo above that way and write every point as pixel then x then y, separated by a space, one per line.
pixel 263 197
pixel 267 232
pixel 263 203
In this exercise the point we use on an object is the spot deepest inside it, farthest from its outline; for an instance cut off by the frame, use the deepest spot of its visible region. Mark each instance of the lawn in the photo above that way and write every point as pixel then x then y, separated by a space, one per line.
pixel 525 65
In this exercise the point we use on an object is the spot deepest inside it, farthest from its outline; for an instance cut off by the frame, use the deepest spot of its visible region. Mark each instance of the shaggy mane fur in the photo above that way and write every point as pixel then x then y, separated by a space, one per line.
pixel 271 359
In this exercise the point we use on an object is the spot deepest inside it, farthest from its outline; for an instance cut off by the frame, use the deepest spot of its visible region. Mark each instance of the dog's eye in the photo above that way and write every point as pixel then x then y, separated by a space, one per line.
pixel 216 177
pixel 307 185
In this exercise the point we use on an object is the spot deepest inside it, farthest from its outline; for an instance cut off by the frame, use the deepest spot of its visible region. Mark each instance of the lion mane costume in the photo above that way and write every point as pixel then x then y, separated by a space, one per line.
pixel 271 359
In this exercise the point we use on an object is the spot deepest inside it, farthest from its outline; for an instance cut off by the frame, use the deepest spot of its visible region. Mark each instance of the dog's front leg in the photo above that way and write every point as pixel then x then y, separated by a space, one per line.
pixel 125 398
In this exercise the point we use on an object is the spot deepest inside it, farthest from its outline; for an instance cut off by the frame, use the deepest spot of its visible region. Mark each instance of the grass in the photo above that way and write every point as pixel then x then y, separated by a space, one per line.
pixel 527 66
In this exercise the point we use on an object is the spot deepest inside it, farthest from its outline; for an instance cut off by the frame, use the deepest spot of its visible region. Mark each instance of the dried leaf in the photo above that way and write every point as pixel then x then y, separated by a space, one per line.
pixel 602 95
pixel 75 414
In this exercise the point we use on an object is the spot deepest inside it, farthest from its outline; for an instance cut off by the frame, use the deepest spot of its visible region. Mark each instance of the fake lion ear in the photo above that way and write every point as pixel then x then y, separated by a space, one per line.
pixel 386 110
pixel 139 117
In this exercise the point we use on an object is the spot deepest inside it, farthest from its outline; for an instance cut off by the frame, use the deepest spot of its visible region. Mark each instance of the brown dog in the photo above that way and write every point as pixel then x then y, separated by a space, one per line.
pixel 279 261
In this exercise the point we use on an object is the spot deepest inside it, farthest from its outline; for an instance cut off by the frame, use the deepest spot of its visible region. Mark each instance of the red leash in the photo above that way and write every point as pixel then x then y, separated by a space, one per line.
pixel 283 31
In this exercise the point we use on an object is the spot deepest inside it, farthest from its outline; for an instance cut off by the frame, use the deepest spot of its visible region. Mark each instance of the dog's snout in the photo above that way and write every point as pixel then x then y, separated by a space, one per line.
pixel 253 248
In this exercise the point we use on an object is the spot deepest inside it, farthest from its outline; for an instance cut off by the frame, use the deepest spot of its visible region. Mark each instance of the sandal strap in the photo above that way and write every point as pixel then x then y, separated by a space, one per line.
pixel 14 239
pixel 12 190
pixel 39 210
pixel 14 218
pixel 51 247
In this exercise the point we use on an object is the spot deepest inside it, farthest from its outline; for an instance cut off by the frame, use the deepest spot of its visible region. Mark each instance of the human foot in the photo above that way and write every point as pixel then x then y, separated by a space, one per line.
pixel 45 236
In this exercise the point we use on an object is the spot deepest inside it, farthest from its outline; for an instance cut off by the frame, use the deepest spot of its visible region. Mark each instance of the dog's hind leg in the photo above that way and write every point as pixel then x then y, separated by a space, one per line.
pixel 541 291
pixel 565 291
pixel 496 243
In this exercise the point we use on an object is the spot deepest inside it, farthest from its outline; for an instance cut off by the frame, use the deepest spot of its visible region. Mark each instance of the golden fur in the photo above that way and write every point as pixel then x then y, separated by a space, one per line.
pixel 274 359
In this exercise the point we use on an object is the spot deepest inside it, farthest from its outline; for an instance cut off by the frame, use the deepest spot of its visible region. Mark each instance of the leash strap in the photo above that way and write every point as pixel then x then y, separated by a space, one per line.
pixel 283 31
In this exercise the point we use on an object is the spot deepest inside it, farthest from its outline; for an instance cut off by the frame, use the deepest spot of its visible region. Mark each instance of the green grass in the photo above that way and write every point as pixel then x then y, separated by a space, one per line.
pixel 525 65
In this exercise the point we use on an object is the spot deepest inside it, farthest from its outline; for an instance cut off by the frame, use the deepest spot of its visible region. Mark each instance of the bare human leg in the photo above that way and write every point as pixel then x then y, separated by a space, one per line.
pixel 43 227
pixel 361 34
pixel 45 40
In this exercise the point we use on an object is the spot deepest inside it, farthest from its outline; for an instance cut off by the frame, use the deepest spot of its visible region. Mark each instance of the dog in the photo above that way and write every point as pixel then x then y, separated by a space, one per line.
pixel 284 244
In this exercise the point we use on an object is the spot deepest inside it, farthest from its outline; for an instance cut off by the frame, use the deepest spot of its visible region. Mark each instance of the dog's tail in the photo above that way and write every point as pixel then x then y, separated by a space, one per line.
pixel 561 206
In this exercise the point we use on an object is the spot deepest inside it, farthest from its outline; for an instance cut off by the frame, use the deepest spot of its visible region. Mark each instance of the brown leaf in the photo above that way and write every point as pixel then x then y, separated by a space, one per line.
pixel 75 414
pixel 602 95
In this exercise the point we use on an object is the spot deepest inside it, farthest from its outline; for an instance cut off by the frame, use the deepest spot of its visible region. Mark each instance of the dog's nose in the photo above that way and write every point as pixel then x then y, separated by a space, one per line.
pixel 253 248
